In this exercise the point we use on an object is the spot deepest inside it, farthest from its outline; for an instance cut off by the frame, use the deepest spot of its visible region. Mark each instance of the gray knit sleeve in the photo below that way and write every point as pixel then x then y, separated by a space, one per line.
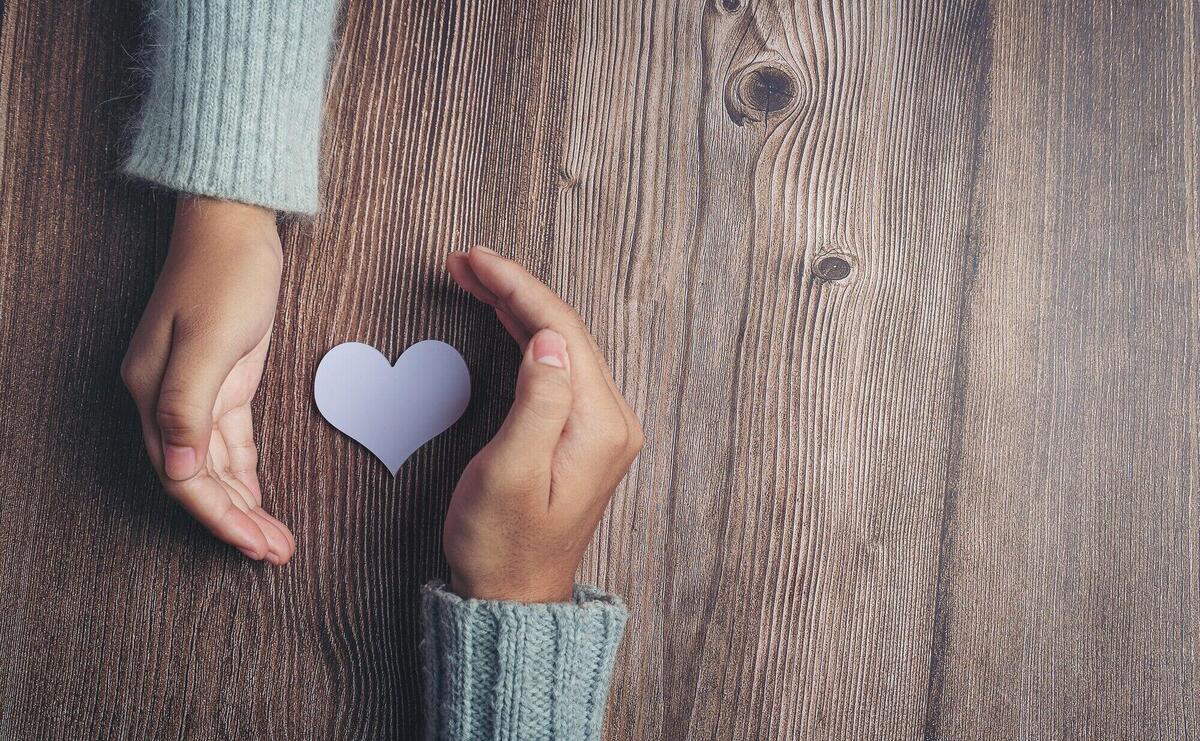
pixel 233 108
pixel 510 670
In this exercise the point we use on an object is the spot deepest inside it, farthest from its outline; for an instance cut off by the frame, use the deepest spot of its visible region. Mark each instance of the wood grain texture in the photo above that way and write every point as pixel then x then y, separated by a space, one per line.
pixel 906 298
pixel 1070 585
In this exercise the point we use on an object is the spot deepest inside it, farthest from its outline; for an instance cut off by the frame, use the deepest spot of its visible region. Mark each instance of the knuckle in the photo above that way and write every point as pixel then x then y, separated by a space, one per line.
pixel 246 454
pixel 637 438
pixel 615 440
pixel 486 467
pixel 196 327
pixel 245 448
pixel 549 400
pixel 127 371
pixel 576 321
pixel 133 375
pixel 176 414
pixel 497 470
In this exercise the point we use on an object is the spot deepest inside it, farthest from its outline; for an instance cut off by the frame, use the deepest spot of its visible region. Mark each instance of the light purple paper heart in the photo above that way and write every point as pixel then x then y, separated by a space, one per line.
pixel 392 410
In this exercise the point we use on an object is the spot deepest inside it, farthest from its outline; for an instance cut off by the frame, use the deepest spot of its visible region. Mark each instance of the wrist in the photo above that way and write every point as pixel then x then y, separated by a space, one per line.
pixel 192 205
pixel 558 590
pixel 208 223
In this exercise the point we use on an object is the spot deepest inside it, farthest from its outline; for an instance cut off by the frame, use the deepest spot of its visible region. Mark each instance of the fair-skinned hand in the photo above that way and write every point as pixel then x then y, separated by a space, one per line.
pixel 527 505
pixel 194 364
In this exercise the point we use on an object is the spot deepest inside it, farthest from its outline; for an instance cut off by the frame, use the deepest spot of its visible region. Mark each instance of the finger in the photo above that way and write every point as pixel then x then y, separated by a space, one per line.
pixel 462 273
pixel 515 329
pixel 539 413
pixel 237 430
pixel 631 420
pixel 494 283
pixel 521 333
pixel 536 307
pixel 283 529
pixel 233 456
pixel 198 365
pixel 628 442
pixel 279 541
pixel 151 438
pixel 211 503
pixel 460 269
pixel 607 422
pixel 141 371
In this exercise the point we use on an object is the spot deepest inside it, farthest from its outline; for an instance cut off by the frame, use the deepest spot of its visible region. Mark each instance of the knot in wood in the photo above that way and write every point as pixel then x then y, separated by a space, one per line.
pixel 767 89
pixel 833 268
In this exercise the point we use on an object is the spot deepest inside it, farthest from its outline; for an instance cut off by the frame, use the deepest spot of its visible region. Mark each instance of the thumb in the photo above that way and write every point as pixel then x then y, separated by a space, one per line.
pixel 543 399
pixel 195 371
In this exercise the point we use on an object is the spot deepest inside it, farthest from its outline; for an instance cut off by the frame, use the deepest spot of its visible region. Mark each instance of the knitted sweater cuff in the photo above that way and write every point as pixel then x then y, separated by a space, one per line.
pixel 233 108
pixel 509 670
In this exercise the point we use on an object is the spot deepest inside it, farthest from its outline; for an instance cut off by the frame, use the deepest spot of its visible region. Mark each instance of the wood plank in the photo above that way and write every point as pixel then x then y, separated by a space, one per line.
pixel 1070 583
pixel 779 539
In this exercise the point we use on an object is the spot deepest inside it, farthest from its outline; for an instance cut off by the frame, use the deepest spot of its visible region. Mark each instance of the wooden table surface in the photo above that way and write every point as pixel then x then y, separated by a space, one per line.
pixel 906 298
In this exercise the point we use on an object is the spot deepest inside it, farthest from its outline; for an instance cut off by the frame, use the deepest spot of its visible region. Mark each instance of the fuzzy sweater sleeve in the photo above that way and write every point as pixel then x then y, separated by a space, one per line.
pixel 505 670
pixel 233 108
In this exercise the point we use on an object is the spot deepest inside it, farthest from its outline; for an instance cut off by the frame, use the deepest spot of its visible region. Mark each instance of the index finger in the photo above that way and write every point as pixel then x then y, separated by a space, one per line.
pixel 462 271
pixel 534 305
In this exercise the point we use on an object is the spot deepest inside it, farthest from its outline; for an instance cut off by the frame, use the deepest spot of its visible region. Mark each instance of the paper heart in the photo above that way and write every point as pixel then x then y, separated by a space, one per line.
pixel 392 410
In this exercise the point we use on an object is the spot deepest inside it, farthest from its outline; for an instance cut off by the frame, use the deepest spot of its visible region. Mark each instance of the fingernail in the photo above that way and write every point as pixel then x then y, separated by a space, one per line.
pixel 549 348
pixel 481 248
pixel 179 462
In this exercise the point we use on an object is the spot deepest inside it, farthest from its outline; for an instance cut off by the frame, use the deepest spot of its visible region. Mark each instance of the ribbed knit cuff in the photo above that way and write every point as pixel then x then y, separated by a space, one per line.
pixel 505 670
pixel 234 104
